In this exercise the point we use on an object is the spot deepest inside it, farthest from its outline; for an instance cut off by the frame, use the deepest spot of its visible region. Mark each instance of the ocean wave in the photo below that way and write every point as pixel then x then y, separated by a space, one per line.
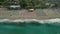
pixel 57 20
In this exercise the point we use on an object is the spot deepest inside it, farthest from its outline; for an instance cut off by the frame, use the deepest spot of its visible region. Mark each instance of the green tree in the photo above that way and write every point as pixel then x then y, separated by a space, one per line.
pixel 32 3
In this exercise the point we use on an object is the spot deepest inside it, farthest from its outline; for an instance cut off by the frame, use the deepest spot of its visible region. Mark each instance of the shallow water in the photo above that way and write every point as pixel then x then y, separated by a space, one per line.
pixel 51 26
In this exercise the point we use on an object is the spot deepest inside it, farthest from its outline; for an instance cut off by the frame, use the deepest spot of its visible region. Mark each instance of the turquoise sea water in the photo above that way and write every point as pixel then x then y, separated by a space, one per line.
pixel 30 28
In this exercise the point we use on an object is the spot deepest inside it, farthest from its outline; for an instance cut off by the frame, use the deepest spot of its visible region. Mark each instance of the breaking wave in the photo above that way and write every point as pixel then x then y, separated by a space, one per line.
pixel 57 20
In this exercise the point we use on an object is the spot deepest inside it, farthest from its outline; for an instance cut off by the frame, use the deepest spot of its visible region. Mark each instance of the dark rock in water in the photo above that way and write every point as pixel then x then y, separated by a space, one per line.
pixel 22 23
pixel 35 23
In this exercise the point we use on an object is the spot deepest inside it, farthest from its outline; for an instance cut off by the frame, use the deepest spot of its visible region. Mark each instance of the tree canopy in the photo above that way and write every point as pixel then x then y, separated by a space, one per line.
pixel 32 3
pixel 29 3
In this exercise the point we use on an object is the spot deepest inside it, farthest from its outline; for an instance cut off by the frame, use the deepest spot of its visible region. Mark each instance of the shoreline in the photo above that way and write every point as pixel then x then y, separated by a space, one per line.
pixel 49 21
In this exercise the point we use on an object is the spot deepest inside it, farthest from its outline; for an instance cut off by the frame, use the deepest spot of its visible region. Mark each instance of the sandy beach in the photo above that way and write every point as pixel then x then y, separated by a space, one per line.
pixel 24 14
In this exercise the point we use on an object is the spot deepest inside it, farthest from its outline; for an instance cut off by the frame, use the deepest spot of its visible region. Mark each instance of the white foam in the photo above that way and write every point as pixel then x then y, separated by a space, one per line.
pixel 57 20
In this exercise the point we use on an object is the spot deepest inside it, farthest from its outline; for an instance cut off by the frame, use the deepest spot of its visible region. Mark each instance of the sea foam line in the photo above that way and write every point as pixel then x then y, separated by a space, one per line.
pixel 57 20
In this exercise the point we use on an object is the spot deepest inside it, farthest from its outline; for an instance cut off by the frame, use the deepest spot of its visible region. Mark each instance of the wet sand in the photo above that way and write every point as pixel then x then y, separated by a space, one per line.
pixel 24 14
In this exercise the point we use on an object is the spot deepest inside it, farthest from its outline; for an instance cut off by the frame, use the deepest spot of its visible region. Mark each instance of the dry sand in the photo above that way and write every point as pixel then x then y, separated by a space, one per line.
pixel 24 14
